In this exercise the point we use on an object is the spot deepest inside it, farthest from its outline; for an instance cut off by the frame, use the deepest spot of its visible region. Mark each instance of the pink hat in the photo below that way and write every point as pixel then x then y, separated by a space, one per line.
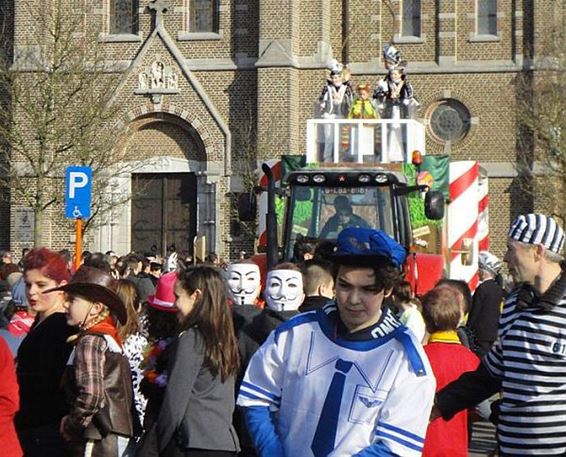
pixel 164 297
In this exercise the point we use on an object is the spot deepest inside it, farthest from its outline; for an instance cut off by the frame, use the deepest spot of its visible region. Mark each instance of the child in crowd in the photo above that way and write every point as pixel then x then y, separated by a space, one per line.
pixel 409 309
pixel 363 108
pixel 449 359
pixel 100 419
pixel 162 330
pixel 134 340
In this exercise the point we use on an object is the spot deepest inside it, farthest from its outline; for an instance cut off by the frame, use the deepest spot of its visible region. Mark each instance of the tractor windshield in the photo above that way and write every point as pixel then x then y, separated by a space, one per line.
pixel 320 213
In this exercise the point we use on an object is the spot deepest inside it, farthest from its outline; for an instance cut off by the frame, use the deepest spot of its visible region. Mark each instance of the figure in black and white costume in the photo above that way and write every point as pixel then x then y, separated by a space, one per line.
pixel 395 100
pixel 334 103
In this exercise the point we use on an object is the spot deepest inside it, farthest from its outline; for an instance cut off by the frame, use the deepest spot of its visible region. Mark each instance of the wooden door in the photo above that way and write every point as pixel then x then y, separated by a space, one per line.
pixel 163 212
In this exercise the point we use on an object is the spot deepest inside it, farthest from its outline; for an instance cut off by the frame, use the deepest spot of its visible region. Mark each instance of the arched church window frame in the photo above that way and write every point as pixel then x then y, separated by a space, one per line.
pixel 486 21
pixel 123 17
pixel 201 20
pixel 121 21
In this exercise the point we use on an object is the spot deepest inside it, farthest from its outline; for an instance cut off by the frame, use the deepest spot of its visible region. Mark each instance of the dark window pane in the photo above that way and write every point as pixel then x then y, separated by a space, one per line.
pixel 487 17
pixel 411 18
pixel 204 16
pixel 123 16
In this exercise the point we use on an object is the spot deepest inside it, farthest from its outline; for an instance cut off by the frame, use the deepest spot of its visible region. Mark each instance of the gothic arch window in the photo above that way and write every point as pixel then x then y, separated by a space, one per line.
pixel 203 16
pixel 486 17
pixel 123 15
pixel 411 18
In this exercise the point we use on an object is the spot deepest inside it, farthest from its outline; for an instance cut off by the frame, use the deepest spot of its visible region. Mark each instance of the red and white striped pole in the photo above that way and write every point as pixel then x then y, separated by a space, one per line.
pixel 463 219
pixel 483 213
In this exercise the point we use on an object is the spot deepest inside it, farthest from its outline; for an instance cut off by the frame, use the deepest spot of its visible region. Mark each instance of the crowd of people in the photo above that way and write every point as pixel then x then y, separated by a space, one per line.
pixel 330 355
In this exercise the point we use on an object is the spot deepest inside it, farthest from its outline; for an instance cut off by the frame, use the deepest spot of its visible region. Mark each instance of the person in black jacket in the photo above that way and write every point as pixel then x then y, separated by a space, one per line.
pixel 318 282
pixel 284 293
pixel 486 304
pixel 42 357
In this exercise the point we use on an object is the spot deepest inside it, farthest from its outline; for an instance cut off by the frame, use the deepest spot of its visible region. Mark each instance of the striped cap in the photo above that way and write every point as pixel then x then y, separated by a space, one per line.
pixel 538 229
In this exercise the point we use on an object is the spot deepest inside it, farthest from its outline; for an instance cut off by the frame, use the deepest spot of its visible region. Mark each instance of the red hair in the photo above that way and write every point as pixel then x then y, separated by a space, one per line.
pixel 48 262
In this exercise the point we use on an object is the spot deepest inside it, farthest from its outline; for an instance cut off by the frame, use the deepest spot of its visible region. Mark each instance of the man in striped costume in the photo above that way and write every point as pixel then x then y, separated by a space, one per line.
pixel 527 363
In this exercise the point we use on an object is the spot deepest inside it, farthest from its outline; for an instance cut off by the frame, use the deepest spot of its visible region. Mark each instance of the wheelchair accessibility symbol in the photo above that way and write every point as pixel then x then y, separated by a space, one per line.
pixel 78 188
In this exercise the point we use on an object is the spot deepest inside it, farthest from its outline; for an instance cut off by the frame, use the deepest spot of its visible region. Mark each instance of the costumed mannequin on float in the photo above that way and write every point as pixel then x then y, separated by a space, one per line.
pixel 395 100
pixel 334 103
pixel 362 136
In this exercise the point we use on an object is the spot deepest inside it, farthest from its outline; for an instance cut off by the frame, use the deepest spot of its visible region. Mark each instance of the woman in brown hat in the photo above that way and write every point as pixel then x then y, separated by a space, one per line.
pixel 100 421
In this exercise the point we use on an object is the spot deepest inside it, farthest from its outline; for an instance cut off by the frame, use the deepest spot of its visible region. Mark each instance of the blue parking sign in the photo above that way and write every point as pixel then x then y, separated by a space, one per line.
pixel 78 189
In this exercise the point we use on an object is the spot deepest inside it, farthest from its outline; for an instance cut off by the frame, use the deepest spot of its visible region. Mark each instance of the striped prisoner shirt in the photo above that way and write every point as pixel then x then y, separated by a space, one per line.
pixel 530 359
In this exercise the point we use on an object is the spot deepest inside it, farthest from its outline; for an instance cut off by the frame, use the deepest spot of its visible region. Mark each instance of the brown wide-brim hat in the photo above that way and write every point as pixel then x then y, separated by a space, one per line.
pixel 97 286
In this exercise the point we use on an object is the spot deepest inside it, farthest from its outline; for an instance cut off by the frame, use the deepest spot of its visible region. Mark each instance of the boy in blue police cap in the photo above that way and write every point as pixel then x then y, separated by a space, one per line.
pixel 347 379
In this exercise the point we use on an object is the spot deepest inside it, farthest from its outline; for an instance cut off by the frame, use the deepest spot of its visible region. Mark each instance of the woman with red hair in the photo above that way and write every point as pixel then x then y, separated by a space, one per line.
pixel 42 357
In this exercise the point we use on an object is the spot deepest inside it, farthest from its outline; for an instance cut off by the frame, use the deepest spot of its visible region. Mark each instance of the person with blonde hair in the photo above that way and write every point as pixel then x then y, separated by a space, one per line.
pixel 98 381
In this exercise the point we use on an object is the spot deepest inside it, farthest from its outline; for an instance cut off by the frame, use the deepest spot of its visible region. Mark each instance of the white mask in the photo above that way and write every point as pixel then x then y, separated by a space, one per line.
pixel 244 283
pixel 284 290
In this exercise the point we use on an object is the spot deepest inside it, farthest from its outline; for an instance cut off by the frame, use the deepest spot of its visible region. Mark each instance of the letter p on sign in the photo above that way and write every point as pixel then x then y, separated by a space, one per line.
pixel 78 189
pixel 77 180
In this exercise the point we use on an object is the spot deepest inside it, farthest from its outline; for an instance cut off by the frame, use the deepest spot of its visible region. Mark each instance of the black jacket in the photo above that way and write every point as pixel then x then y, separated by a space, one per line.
pixel 42 358
pixel 484 314
pixel 243 315
pixel 254 334
pixel 313 302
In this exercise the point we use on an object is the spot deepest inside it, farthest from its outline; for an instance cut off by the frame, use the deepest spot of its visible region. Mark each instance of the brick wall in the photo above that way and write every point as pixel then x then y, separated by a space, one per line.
pixel 275 101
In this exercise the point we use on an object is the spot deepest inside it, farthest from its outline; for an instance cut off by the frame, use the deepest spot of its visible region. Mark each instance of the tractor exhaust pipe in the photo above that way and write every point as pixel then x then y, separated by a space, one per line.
pixel 271 220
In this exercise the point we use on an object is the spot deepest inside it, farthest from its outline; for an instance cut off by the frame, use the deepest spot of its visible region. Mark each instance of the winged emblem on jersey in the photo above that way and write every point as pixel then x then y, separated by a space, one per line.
pixel 369 402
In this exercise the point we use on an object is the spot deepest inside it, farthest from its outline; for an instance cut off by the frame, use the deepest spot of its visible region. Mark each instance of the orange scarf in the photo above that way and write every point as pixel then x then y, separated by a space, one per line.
pixel 106 327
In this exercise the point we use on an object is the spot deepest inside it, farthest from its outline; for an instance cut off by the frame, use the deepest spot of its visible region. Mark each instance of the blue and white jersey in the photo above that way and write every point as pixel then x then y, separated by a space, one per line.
pixel 381 389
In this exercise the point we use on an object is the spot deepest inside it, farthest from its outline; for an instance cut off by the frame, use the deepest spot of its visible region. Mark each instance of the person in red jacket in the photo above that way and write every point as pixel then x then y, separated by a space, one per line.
pixel 449 359
pixel 9 403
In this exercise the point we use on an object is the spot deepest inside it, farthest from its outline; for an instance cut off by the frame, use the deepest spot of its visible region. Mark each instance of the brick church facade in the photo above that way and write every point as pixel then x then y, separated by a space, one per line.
pixel 224 65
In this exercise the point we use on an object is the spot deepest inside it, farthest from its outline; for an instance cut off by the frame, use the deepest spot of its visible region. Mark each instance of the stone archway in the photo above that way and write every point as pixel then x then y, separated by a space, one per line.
pixel 162 134
pixel 170 193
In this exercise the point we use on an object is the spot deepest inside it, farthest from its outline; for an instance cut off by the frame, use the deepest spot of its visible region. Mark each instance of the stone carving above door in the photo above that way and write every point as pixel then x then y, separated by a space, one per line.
pixel 156 80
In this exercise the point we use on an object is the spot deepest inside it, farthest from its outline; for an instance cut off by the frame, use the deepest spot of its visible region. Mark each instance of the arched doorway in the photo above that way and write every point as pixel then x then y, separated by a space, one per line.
pixel 165 197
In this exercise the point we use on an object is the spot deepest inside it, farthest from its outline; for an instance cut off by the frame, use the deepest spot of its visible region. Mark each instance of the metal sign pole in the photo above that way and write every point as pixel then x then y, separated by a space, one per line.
pixel 78 242
pixel 78 190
